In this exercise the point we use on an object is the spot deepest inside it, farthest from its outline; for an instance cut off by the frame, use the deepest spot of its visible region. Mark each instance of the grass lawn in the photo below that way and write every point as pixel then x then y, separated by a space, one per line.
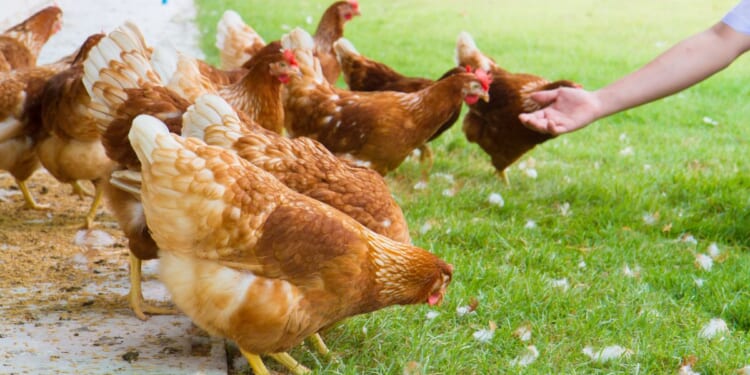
pixel 600 248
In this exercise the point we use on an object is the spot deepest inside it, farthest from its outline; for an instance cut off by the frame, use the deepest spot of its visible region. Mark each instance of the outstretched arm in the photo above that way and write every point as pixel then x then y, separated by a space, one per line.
pixel 685 64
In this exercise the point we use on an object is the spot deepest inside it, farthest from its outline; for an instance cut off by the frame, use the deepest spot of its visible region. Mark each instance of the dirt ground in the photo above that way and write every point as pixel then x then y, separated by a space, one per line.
pixel 46 258
pixel 62 295
pixel 62 289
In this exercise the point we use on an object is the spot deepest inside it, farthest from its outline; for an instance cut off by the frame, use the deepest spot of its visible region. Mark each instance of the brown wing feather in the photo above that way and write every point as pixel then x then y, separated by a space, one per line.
pixel 157 101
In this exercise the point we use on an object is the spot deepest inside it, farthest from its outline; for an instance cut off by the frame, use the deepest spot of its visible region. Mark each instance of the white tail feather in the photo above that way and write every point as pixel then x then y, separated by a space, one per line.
pixel 299 41
pixel 233 36
pixel 187 80
pixel 467 53
pixel 343 47
pixel 146 134
pixel 164 61
pixel 298 38
pixel 213 120
pixel 118 62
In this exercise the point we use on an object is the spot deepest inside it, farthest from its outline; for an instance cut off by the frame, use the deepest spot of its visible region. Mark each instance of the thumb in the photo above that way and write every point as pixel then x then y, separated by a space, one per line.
pixel 545 98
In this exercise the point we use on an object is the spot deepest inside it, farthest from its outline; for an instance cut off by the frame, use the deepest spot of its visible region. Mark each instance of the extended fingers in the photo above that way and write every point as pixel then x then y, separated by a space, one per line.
pixel 546 97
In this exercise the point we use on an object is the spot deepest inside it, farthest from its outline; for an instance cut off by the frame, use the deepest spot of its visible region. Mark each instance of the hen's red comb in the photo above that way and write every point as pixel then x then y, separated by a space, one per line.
pixel 354 4
pixel 468 68
pixel 289 57
pixel 484 77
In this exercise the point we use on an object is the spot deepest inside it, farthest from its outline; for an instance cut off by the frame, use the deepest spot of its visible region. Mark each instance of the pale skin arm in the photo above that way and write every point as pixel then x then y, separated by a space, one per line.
pixel 683 65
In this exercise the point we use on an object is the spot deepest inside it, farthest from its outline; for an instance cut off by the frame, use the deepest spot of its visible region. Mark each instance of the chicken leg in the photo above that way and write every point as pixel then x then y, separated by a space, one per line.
pixel 29 199
pixel 135 297
pixel 319 345
pixel 504 175
pixel 425 157
pixel 256 363
pixel 79 190
pixel 98 193
pixel 285 359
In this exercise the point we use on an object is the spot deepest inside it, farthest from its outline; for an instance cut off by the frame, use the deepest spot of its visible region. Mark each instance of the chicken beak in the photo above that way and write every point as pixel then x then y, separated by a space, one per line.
pixel 435 299
pixel 485 96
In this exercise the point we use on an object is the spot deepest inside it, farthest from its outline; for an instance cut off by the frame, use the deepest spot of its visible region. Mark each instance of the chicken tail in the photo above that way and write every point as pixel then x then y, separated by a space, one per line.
pixel 118 62
pixel 34 32
pixel 235 40
pixel 212 120
pixel 187 80
pixel 344 50
pixel 303 46
pixel 467 53
pixel 147 134
pixel 164 61
pixel 183 177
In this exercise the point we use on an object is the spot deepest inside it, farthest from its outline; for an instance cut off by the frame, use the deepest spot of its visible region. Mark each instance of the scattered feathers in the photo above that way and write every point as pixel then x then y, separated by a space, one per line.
pixel 715 327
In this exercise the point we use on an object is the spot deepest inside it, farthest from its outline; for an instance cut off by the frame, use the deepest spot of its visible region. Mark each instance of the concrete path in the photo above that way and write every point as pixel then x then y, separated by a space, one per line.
pixel 76 321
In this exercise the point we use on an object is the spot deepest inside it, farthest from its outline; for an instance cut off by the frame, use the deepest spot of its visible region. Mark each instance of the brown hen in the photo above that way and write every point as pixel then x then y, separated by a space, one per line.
pixel 248 259
pixel 494 125
pixel 330 29
pixel 376 129
pixel 363 74
pixel 21 122
pixel 257 94
pixel 69 146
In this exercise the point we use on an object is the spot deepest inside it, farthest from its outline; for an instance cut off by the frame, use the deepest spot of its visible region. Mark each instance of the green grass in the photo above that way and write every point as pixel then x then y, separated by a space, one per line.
pixel 691 176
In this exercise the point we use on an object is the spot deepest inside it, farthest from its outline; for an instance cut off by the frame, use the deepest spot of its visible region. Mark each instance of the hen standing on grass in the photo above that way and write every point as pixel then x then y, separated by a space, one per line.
pixel 494 125
pixel 363 74
pixel 20 44
pixel 250 260
pixel 374 129
pixel 70 146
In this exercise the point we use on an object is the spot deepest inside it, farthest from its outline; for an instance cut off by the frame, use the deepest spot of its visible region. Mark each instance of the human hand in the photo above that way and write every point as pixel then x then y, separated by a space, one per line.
pixel 564 110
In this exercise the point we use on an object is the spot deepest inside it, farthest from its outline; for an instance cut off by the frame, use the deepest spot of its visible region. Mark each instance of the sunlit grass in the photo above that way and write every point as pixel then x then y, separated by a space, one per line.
pixel 634 185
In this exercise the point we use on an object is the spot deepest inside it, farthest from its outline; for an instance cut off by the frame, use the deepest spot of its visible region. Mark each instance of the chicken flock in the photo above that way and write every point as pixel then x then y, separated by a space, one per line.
pixel 258 183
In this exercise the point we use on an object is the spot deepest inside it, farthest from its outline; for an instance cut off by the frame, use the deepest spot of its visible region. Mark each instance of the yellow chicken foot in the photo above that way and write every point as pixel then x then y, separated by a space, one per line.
pixel 285 359
pixel 94 205
pixel 425 157
pixel 255 363
pixel 79 190
pixel 29 199
pixel 504 175
pixel 319 345
pixel 135 297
